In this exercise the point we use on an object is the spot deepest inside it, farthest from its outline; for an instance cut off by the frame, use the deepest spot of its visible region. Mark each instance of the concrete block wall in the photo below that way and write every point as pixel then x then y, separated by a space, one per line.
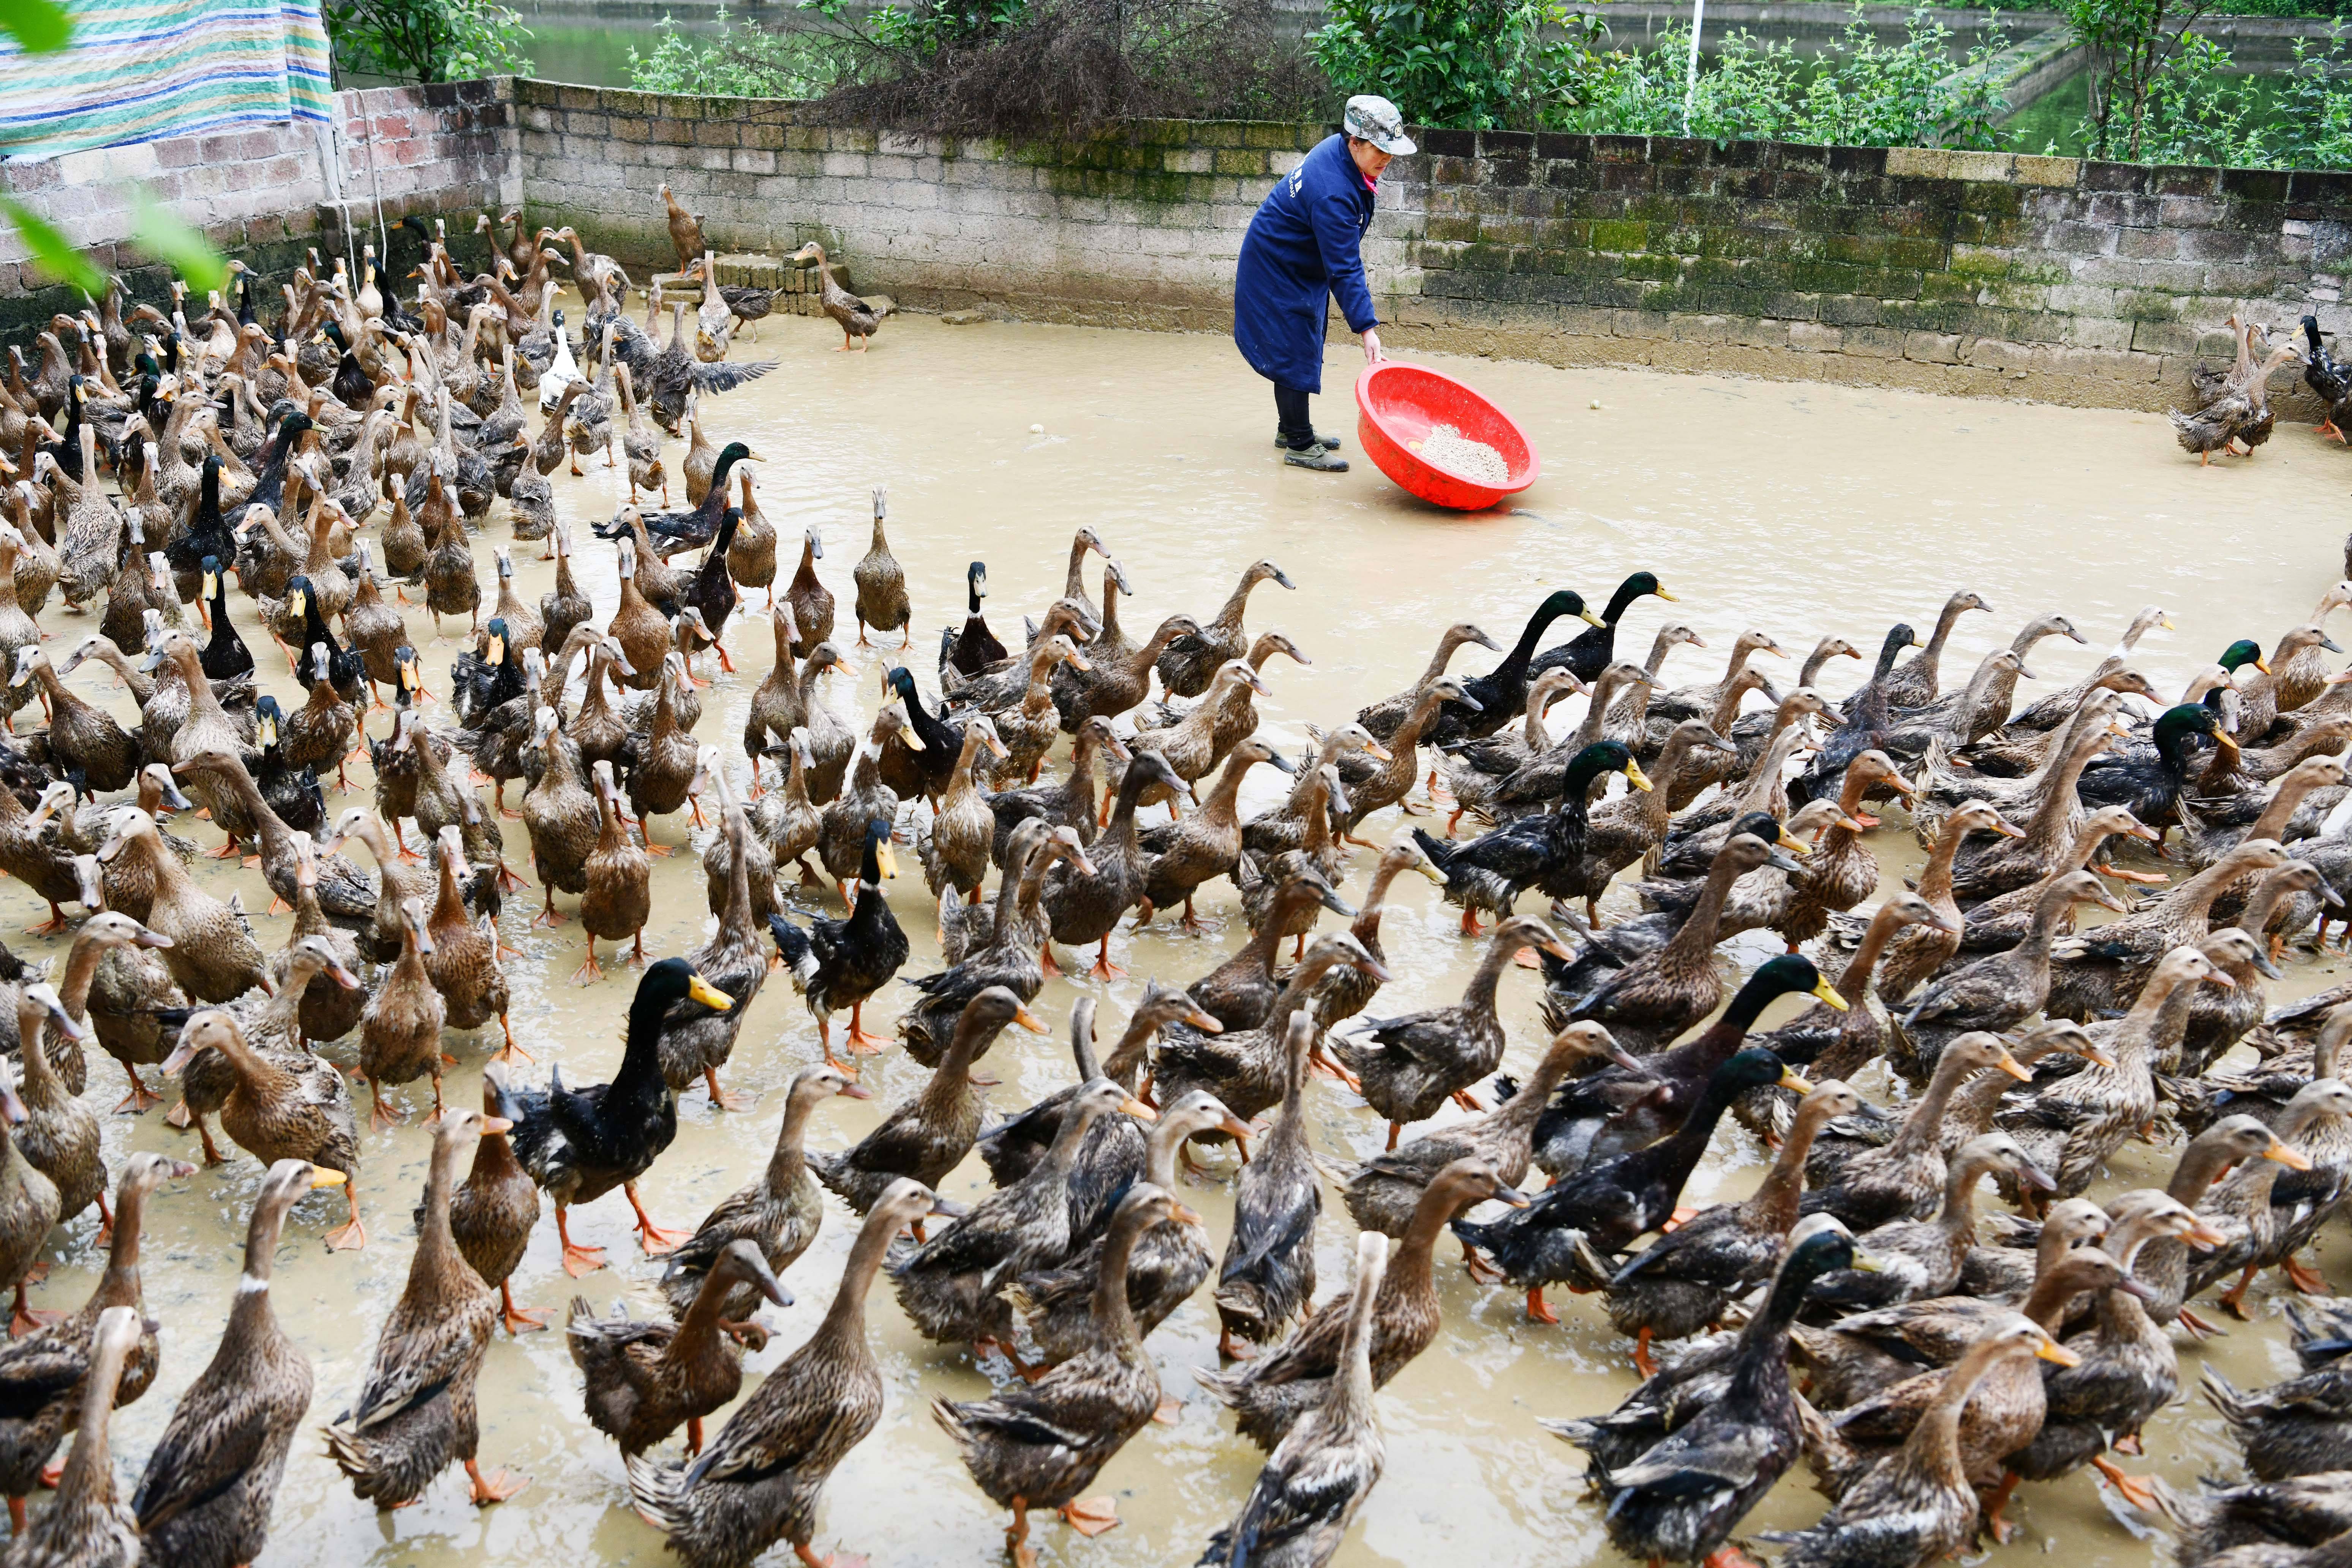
pixel 1971 273
pixel 266 193
pixel 1136 230
pixel 1986 274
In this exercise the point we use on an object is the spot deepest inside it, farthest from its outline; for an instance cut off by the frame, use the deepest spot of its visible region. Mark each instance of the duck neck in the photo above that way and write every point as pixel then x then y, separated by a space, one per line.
pixel 119 1286
pixel 1222 805
pixel 1695 941
pixel 1855 982
pixel 1114 1318
pixel 1773 1205
pixel 2053 1287
pixel 1958 1215
pixel 81 972
pixel 1366 927
pixel 843 1329
pixel 1127 1059
pixel 42 1086
pixel 251 1318
pixel 1924 1126
pixel 88 1477
pixel 1478 999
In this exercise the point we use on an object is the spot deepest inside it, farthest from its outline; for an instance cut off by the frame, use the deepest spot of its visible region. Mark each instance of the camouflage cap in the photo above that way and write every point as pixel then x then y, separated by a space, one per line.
pixel 1377 120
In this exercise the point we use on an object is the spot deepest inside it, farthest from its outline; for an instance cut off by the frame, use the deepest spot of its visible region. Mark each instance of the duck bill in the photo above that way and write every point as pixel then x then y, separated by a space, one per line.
pixel 1512 1196
pixel 1234 1127
pixel 2292 1159
pixel 1634 773
pixel 914 743
pixel 492 1125
pixel 1794 1084
pixel 1378 752
pixel 2224 981
pixel 1344 910
pixel 1183 1216
pixel 1590 619
pixel 854 1091
pixel 1792 843
pixel 2014 1068
pixel 2036 1179
pixel 2004 830
pixel 2203 1237
pixel 1830 997
pixel 1030 1021
pixel 326 1176
pixel 1864 1262
pixel 1202 1021
pixel 709 995
pixel 1077 661
pixel 2096 1057
pixel 1780 862
pixel 2131 1287
pixel 1430 871
pixel 2052 1351
pixel 1133 1107
pixel 1372 967
pixel 884 860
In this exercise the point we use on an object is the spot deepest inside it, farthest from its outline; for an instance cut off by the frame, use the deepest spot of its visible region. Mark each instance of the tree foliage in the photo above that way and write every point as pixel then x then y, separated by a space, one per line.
pixel 427 40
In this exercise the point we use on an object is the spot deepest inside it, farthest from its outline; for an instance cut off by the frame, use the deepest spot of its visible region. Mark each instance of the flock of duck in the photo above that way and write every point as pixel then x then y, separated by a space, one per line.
pixel 1946 1355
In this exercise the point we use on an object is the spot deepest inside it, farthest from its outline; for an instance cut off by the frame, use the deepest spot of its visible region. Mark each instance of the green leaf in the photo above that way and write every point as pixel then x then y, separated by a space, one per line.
pixel 52 252
pixel 41 27
pixel 159 231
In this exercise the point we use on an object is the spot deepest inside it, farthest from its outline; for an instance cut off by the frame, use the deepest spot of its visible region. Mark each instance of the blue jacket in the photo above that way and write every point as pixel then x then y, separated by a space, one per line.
pixel 1302 247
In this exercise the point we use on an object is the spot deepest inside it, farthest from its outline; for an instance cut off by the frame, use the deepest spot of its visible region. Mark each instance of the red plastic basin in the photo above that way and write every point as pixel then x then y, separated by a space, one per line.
pixel 1395 406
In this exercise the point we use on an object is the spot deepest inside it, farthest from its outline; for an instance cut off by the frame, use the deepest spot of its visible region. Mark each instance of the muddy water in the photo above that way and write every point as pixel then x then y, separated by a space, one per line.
pixel 1797 510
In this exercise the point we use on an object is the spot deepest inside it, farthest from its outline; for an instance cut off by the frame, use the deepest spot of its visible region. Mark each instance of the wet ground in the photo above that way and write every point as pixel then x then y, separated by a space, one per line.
pixel 1798 511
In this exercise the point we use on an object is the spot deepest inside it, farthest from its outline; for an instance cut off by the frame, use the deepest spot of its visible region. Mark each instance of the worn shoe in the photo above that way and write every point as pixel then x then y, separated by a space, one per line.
pixel 1319 458
pixel 1328 443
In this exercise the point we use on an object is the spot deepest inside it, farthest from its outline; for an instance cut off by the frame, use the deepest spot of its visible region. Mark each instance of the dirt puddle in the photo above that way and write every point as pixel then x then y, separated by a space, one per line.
pixel 1798 511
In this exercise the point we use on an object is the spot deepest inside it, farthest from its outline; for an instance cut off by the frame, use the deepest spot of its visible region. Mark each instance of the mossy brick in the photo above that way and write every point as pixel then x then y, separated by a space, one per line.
pixel 1449 143
pixel 1451 228
pixel 1944 288
pixel 1508 172
pixel 1493 143
pixel 1483 257
pixel 1622 236
pixel 2146 305
pixel 1241 160
pixel 1573 263
pixel 632 128
pixel 1849 309
pixel 1621 150
pixel 587 122
pixel 1650 266
pixel 1261 134
pixel 672 132
pixel 2182 180
pixel 1565 234
pixel 2321 188
pixel 1552 144
pixel 1446 171
pixel 1825 277
pixel 1795 184
pixel 1504 228
pixel 2002 200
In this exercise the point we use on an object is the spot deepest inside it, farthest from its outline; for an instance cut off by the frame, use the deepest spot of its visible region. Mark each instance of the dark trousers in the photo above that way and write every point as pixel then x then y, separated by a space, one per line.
pixel 1290 413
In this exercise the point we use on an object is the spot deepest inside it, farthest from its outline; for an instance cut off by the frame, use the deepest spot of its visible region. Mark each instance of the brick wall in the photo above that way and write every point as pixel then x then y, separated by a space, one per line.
pixel 266 193
pixel 1969 273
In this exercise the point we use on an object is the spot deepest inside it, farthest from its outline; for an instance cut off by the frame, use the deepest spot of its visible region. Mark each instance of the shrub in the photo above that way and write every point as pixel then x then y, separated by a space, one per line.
pixel 1068 68
pixel 1866 94
pixel 742 60
pixel 1465 64
pixel 427 40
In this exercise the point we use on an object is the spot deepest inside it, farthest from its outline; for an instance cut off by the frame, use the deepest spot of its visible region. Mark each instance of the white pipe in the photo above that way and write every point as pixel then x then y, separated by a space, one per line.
pixel 1690 81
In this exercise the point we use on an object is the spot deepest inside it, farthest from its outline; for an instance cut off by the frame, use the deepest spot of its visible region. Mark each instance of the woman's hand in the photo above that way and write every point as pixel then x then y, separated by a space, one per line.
pixel 1372 340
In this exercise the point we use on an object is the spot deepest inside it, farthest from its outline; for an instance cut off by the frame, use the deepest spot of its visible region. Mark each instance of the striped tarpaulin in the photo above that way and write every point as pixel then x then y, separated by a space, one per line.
pixel 139 70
